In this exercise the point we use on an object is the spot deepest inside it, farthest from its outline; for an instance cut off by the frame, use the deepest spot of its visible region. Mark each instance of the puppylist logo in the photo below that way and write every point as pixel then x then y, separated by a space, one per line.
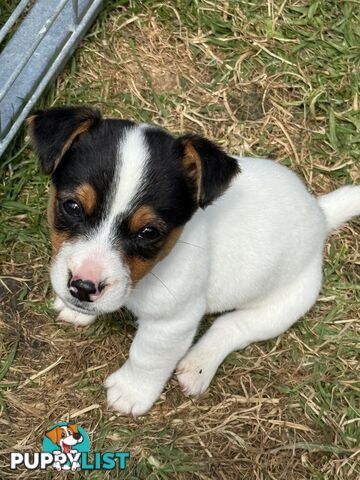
pixel 66 446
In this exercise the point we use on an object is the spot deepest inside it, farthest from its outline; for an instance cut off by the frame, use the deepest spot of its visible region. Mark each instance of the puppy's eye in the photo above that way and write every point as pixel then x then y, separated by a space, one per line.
pixel 63 435
pixel 149 233
pixel 72 208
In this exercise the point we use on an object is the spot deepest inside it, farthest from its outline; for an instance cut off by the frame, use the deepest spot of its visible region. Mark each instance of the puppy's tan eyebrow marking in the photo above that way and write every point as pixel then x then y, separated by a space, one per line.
pixel 84 193
pixel 143 216
pixel 87 196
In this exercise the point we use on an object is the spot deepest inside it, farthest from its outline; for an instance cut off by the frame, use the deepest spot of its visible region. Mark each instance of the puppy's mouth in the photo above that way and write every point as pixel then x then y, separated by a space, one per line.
pixel 66 448
pixel 79 307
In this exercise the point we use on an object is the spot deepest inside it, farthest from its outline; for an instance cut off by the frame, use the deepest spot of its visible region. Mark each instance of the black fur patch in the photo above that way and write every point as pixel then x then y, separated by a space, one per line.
pixel 52 129
pixel 217 168
pixel 91 159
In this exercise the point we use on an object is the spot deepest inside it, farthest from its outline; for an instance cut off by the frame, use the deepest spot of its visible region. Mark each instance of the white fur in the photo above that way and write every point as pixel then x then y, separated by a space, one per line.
pixel 340 205
pixel 256 251
pixel 114 272
pixel 77 318
pixel 133 156
pixel 71 316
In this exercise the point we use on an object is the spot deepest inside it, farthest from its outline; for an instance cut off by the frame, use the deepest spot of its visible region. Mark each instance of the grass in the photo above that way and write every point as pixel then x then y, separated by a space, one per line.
pixel 274 79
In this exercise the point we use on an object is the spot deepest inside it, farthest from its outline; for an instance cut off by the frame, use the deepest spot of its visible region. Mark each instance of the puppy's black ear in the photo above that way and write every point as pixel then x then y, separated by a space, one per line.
pixel 209 168
pixel 53 131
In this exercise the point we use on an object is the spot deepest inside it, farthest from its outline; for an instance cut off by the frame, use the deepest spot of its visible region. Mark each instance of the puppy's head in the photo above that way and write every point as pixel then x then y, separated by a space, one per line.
pixel 121 194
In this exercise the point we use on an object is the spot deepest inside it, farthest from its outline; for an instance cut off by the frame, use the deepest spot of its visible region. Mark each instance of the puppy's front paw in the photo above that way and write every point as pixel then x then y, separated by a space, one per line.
pixel 77 318
pixel 195 372
pixel 129 392
pixel 58 304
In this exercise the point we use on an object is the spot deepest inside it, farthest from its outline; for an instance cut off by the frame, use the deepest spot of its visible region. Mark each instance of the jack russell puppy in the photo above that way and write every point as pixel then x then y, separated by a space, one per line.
pixel 174 228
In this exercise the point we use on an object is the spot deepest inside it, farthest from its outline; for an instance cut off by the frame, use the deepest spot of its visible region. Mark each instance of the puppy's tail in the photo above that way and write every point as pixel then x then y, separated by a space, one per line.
pixel 340 206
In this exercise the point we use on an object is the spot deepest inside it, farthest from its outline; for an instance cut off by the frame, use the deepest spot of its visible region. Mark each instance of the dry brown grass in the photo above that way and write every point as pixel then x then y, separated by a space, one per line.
pixel 286 409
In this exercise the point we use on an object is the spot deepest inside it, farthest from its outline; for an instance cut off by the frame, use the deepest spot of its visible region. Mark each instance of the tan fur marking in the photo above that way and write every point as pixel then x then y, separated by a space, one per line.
pixel 192 164
pixel 142 217
pixel 29 123
pixel 139 267
pixel 81 129
pixel 170 242
pixel 51 206
pixel 56 238
pixel 30 120
pixel 87 196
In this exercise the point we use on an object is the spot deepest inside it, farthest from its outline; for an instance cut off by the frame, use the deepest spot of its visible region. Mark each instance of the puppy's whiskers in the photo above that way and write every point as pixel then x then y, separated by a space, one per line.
pixel 192 244
pixel 164 284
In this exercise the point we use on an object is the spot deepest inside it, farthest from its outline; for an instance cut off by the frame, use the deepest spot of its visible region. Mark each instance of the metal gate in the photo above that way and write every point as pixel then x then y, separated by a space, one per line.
pixel 36 52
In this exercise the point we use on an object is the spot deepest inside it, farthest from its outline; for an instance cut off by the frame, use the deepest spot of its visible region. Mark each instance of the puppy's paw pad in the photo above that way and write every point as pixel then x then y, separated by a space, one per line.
pixel 76 318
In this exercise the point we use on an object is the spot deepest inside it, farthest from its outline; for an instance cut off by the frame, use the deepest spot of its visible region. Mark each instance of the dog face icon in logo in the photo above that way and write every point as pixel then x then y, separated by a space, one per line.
pixel 66 441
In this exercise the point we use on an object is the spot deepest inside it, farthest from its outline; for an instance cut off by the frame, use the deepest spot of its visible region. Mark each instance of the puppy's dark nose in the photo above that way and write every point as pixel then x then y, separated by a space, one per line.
pixel 77 435
pixel 82 289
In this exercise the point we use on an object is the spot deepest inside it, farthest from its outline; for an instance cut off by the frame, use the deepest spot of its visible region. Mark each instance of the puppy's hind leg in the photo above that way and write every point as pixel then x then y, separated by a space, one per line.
pixel 256 322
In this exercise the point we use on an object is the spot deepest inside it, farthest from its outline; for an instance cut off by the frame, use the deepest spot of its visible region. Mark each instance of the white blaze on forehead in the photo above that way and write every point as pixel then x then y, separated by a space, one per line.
pixel 133 155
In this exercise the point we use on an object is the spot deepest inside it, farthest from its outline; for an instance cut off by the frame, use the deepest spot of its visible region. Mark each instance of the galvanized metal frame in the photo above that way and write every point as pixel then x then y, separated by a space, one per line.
pixel 37 51
pixel 12 19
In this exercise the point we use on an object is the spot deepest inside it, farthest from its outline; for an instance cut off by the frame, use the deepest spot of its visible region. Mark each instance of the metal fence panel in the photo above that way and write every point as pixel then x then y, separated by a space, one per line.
pixel 37 51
